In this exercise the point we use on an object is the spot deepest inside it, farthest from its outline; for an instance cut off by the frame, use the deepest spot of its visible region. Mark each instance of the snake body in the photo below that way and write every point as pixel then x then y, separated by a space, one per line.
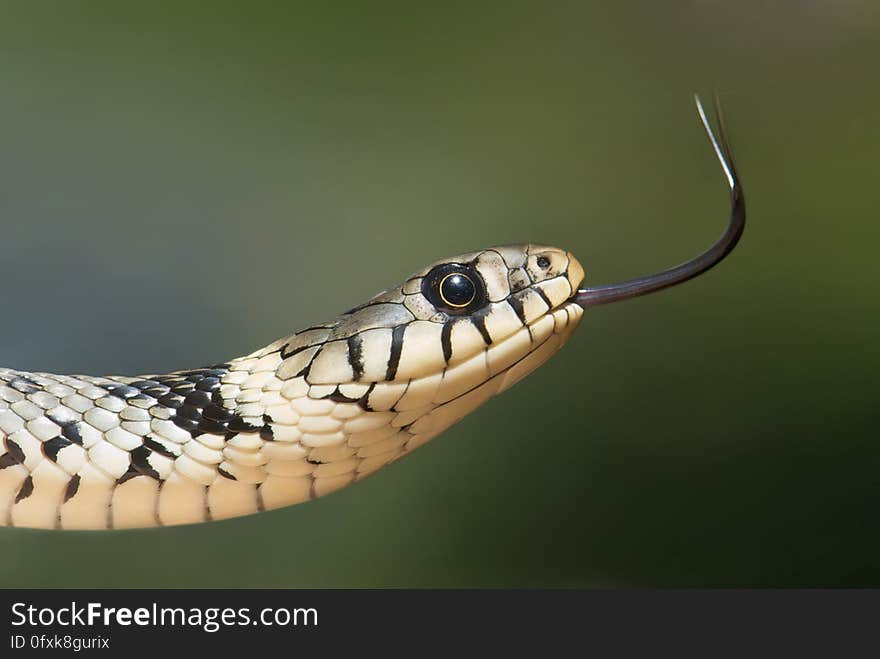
pixel 297 419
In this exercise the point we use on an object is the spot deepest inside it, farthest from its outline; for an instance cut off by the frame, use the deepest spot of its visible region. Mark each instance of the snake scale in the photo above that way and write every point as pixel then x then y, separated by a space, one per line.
pixel 311 412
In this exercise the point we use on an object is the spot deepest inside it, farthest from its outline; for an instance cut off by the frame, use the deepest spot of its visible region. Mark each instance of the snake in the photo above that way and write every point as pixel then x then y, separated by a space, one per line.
pixel 314 411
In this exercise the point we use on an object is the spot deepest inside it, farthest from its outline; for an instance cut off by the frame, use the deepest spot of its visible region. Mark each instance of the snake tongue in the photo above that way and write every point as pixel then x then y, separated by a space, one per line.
pixel 588 297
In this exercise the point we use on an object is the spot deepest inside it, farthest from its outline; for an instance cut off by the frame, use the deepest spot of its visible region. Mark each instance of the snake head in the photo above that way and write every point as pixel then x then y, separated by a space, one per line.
pixel 488 308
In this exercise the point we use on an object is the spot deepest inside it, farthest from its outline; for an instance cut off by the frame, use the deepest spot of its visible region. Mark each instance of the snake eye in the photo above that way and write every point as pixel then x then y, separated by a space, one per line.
pixel 455 288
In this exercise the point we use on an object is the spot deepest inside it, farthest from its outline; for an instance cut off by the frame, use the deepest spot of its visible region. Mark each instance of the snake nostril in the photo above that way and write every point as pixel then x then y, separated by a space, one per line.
pixel 543 262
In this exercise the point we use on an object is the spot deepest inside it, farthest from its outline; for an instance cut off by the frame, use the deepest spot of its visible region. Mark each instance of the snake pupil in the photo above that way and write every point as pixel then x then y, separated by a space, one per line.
pixel 457 290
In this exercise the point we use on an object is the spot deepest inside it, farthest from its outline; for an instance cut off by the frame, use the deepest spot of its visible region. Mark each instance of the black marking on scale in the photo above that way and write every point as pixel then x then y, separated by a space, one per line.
pixel 13 456
pixel 364 401
pixel 26 489
pixel 356 355
pixel 396 349
pixel 156 447
pixel 478 320
pixel 446 340
pixel 139 458
pixel 516 304
pixel 72 488
pixel 71 433
pixel 543 296
pixel 51 447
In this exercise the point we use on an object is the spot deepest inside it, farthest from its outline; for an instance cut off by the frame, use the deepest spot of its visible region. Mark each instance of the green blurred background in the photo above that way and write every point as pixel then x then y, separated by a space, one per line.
pixel 180 184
